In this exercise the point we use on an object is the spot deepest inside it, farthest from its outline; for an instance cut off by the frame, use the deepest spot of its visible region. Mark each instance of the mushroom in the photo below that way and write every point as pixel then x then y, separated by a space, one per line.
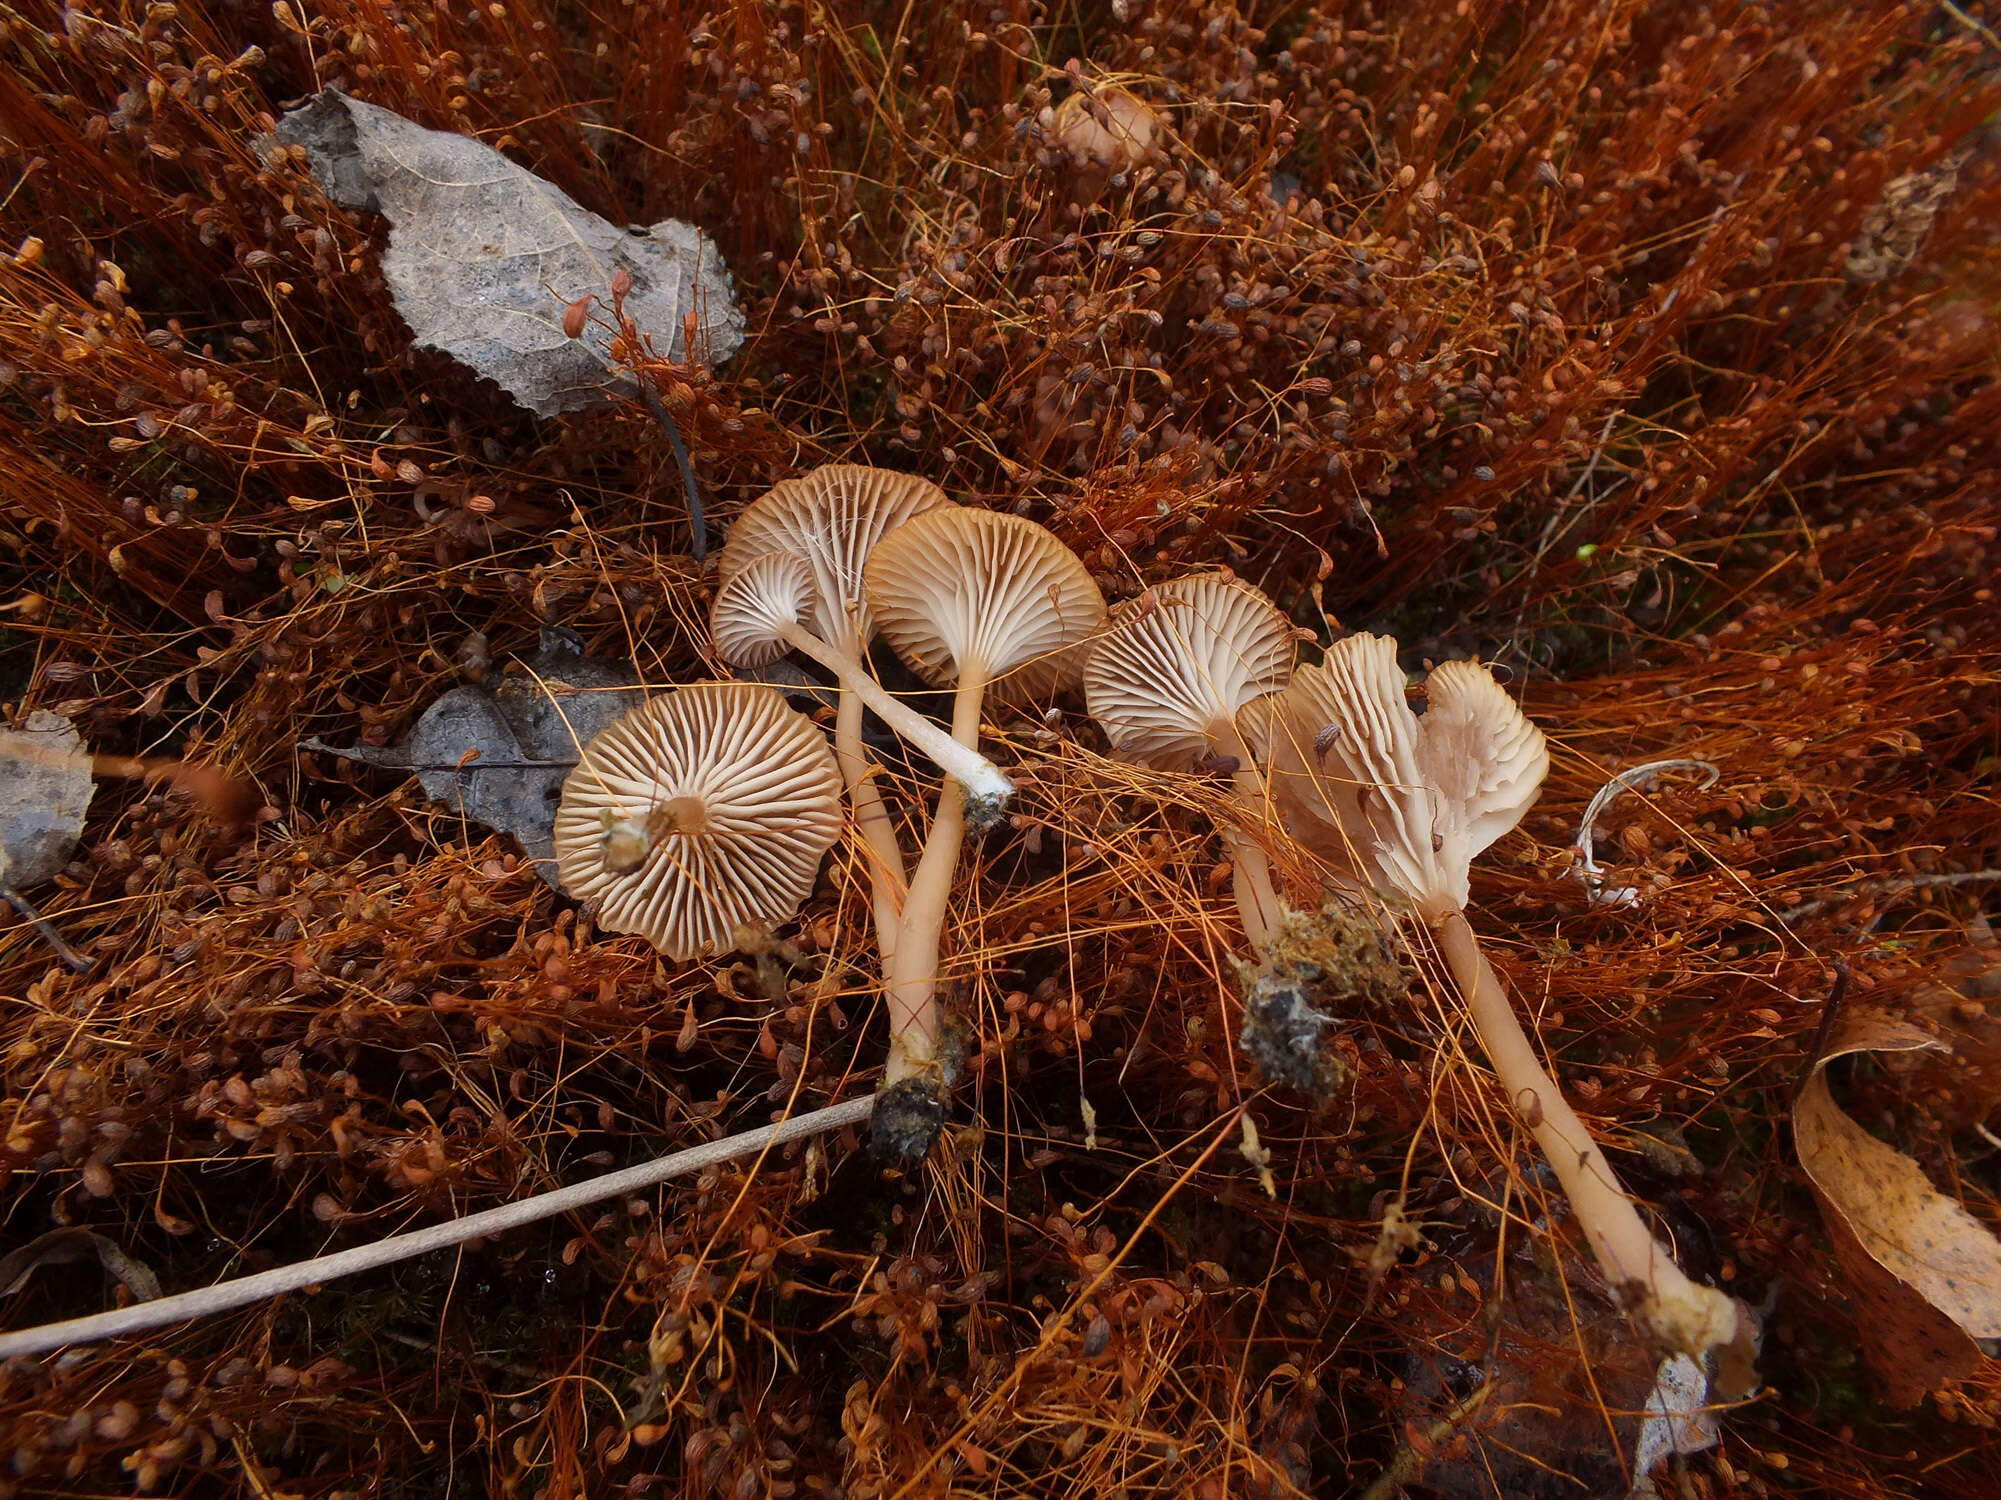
pixel 1104 132
pixel 1167 680
pixel 1404 803
pixel 827 523
pixel 705 809
pixel 979 601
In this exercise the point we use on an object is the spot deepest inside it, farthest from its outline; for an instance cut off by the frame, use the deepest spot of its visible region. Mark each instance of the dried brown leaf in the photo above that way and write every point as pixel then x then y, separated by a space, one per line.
pixel 1912 1347
pixel 1925 1273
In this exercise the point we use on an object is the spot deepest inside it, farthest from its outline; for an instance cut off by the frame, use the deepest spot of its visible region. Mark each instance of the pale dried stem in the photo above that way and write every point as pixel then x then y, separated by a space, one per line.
pixel 72 960
pixel 888 880
pixel 242 1292
pixel 913 977
pixel 1682 1314
pixel 979 777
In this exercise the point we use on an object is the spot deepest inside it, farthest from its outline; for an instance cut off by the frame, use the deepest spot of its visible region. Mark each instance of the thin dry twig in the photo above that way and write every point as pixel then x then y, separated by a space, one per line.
pixel 242 1292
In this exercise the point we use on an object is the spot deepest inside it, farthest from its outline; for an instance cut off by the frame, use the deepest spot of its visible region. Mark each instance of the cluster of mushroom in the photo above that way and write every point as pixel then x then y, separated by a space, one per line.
pixel 1389 804
pixel 987 604
pixel 713 805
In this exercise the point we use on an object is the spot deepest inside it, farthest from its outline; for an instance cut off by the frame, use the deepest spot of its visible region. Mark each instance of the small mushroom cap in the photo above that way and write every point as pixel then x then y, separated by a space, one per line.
pixel 831 518
pixel 1480 751
pixel 763 795
pixel 1402 801
pixel 1107 130
pixel 1175 667
pixel 768 591
pixel 955 586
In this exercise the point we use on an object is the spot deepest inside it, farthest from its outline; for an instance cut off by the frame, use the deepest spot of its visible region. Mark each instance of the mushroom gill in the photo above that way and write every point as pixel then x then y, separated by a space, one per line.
pixel 702 810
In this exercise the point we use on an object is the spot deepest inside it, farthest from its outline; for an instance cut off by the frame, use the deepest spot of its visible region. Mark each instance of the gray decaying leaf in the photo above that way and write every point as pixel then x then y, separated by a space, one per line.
pixel 484 256
pixel 1679 1419
pixel 499 757
pixel 44 790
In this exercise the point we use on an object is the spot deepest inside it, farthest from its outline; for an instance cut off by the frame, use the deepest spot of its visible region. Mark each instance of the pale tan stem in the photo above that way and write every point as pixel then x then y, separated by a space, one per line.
pixel 979 776
pixel 1250 867
pixel 1250 880
pixel 880 849
pixel 1689 1317
pixel 913 977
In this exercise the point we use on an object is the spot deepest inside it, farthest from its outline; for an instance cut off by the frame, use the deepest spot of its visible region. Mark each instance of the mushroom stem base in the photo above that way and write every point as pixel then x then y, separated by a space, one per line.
pixel 912 1054
pixel 912 987
pixel 982 810
pixel 908 1116
pixel 1250 881
pixel 1250 867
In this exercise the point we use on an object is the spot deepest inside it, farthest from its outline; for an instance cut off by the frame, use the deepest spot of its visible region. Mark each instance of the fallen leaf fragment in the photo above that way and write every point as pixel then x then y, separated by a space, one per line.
pixel 44 790
pixel 62 1246
pixel 485 259
pixel 1679 1419
pixel 1911 1347
pixel 1925 1274
pixel 499 757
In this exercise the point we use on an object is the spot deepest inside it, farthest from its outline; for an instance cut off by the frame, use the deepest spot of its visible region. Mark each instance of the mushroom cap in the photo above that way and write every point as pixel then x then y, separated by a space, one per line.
pixel 766 795
pixel 832 518
pixel 766 592
pixel 955 585
pixel 1480 750
pixel 1176 666
pixel 1404 801
pixel 1119 134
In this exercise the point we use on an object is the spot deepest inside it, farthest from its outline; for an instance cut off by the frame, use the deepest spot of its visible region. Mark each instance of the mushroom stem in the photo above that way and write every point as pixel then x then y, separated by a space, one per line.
pixel 1250 867
pixel 963 763
pixel 913 974
pixel 1689 1317
pixel 888 880
pixel 1250 881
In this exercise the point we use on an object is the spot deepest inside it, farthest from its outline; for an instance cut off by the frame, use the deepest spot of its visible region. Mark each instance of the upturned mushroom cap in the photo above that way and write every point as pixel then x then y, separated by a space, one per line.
pixel 831 519
pixel 955 586
pixel 1405 802
pixel 765 592
pixel 1169 675
pixel 1107 130
pixel 706 808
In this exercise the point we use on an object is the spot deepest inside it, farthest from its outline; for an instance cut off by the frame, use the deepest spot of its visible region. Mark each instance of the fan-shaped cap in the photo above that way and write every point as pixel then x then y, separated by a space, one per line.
pixel 703 809
pixel 832 519
pixel 1480 751
pixel 767 592
pixel 1170 674
pixel 1410 800
pixel 957 586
